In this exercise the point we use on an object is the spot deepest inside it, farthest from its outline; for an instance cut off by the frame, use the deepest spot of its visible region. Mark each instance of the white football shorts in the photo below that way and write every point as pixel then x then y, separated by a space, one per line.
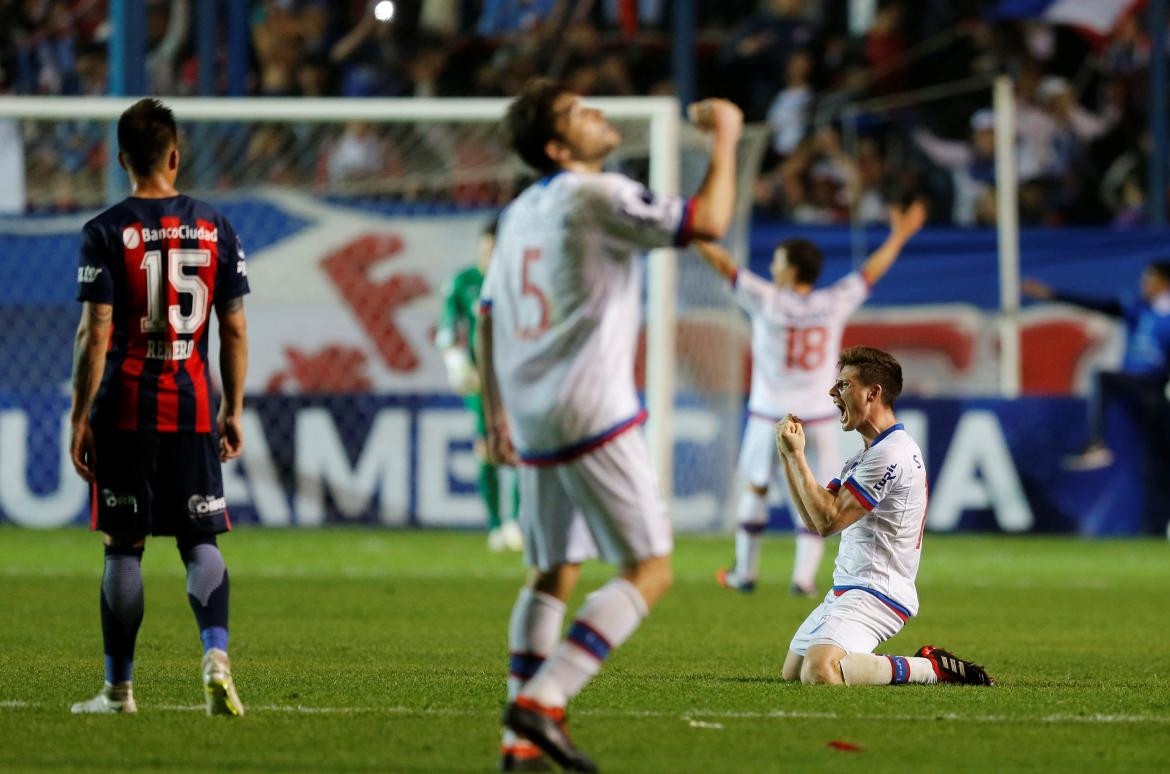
pixel 758 458
pixel 604 503
pixel 856 622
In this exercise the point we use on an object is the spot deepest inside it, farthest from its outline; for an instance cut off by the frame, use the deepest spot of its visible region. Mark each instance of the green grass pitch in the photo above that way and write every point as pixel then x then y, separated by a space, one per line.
pixel 368 650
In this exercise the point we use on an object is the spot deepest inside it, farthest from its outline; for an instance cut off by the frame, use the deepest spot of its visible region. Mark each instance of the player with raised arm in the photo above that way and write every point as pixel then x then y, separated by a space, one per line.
pixel 878 504
pixel 460 314
pixel 796 337
pixel 561 308
pixel 144 429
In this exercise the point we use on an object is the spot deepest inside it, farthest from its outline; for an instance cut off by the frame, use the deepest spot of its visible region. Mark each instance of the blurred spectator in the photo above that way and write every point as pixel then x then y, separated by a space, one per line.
pixel 509 17
pixel 754 55
pixel 789 114
pixel 167 25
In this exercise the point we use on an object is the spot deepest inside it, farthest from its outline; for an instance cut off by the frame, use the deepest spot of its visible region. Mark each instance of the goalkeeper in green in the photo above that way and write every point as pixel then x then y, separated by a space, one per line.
pixel 460 305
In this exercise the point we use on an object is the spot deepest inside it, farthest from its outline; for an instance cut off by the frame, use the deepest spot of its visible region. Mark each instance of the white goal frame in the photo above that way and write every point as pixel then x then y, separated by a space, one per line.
pixel 662 115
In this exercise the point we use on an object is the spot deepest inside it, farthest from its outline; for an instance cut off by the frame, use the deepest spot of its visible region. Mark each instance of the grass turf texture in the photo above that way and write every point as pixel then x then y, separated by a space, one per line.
pixel 361 650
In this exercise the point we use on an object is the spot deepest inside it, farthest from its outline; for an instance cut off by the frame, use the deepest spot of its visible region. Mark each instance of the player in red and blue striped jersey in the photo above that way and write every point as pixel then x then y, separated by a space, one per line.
pixel 145 432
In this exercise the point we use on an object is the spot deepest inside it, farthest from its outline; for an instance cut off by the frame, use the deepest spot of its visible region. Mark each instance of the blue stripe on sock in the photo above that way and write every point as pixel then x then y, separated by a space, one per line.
pixel 524 665
pixel 119 669
pixel 214 637
pixel 901 670
pixel 587 638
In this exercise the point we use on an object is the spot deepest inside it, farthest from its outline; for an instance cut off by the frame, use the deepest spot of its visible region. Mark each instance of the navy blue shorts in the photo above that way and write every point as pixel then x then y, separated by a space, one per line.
pixel 151 483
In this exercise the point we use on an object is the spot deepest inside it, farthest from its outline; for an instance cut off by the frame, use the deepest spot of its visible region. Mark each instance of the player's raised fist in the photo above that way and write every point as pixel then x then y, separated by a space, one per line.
pixel 718 116
pixel 908 221
pixel 789 435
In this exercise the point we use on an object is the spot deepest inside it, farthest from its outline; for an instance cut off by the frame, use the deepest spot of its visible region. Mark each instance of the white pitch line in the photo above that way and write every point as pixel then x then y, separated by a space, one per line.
pixel 696 718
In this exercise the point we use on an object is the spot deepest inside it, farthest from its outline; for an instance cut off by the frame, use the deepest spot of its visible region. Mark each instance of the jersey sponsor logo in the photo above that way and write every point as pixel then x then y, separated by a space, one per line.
pixel 887 478
pixel 86 274
pixel 182 231
pixel 241 268
pixel 112 499
pixel 131 238
pixel 204 505
pixel 169 350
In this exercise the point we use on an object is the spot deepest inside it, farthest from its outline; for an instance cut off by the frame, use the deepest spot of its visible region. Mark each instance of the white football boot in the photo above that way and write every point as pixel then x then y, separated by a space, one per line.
pixel 111 700
pixel 222 698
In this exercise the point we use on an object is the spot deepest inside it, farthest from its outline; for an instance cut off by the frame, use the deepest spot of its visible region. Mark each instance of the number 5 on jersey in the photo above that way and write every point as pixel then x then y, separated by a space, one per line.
pixel 530 289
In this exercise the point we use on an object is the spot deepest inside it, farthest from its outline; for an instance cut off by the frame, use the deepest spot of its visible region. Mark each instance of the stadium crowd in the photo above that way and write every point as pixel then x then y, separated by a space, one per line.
pixel 1081 121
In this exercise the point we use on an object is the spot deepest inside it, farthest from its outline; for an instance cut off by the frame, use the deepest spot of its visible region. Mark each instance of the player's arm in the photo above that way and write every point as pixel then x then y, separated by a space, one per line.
pixel 89 363
pixel 827 512
pixel 714 204
pixel 1033 288
pixel 499 442
pixel 794 498
pixel 717 258
pixel 904 224
pixel 233 367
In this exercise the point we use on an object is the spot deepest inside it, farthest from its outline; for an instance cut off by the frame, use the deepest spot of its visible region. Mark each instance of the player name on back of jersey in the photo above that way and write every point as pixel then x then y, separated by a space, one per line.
pixel 182 231
pixel 169 350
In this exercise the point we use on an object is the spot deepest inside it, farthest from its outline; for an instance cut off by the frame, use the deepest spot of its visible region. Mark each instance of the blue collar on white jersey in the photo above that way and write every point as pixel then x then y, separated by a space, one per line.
pixel 549 178
pixel 884 433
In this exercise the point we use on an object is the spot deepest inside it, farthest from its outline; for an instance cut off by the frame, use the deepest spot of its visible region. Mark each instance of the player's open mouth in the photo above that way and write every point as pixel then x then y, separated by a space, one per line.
pixel 841 408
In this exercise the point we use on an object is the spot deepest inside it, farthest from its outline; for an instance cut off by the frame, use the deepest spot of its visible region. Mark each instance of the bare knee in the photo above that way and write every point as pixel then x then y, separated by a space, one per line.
pixel 821 671
pixel 652 577
pixel 558 581
pixel 792 665
pixel 123 540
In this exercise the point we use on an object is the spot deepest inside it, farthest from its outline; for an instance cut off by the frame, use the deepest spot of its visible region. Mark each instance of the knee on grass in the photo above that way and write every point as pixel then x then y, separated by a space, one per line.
pixel 821 670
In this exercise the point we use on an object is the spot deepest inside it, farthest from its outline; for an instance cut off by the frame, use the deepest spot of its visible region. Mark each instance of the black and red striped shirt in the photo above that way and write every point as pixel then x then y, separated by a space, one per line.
pixel 162 264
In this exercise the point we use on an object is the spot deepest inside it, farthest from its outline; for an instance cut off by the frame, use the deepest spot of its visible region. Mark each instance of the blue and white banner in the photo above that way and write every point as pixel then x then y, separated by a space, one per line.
pixel 1098 16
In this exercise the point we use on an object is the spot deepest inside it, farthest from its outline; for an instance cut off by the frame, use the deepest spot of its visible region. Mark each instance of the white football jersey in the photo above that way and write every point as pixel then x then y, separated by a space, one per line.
pixel 564 290
pixel 880 551
pixel 796 340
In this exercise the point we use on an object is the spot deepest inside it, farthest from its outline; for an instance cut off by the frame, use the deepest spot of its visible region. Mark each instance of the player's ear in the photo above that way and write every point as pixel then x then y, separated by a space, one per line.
pixel 557 151
pixel 173 159
pixel 122 162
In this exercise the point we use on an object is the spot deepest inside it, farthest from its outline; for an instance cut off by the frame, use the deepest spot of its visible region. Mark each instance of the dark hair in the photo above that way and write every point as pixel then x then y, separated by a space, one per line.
pixel 805 257
pixel 1161 268
pixel 146 132
pixel 530 122
pixel 875 367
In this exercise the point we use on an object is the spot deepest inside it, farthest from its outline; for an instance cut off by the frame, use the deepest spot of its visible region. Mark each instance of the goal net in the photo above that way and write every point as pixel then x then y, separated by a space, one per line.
pixel 353 214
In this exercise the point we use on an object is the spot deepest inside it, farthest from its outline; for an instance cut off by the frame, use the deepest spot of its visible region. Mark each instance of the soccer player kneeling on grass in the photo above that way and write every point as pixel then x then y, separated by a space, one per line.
pixel 559 331
pixel 144 430
pixel 879 507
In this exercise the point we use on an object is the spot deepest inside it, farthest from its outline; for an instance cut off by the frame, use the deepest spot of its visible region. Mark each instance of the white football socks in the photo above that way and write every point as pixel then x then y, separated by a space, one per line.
pixel 533 631
pixel 809 550
pixel 871 669
pixel 606 620
pixel 752 515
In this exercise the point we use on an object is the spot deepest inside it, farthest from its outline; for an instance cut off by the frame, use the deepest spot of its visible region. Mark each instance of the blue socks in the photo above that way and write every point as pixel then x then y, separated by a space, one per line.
pixel 122 608
pixel 207 591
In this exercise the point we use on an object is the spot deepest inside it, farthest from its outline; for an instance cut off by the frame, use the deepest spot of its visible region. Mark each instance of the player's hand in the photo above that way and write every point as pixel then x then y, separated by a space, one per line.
pixel 908 221
pixel 82 450
pixel 461 374
pixel 718 116
pixel 790 435
pixel 1034 288
pixel 231 437
pixel 499 448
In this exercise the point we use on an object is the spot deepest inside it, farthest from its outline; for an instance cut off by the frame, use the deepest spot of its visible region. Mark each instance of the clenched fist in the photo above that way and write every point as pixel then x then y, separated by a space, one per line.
pixel 789 435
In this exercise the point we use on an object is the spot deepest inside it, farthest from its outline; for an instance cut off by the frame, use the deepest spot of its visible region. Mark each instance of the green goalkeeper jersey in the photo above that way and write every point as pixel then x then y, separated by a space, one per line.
pixel 460 307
